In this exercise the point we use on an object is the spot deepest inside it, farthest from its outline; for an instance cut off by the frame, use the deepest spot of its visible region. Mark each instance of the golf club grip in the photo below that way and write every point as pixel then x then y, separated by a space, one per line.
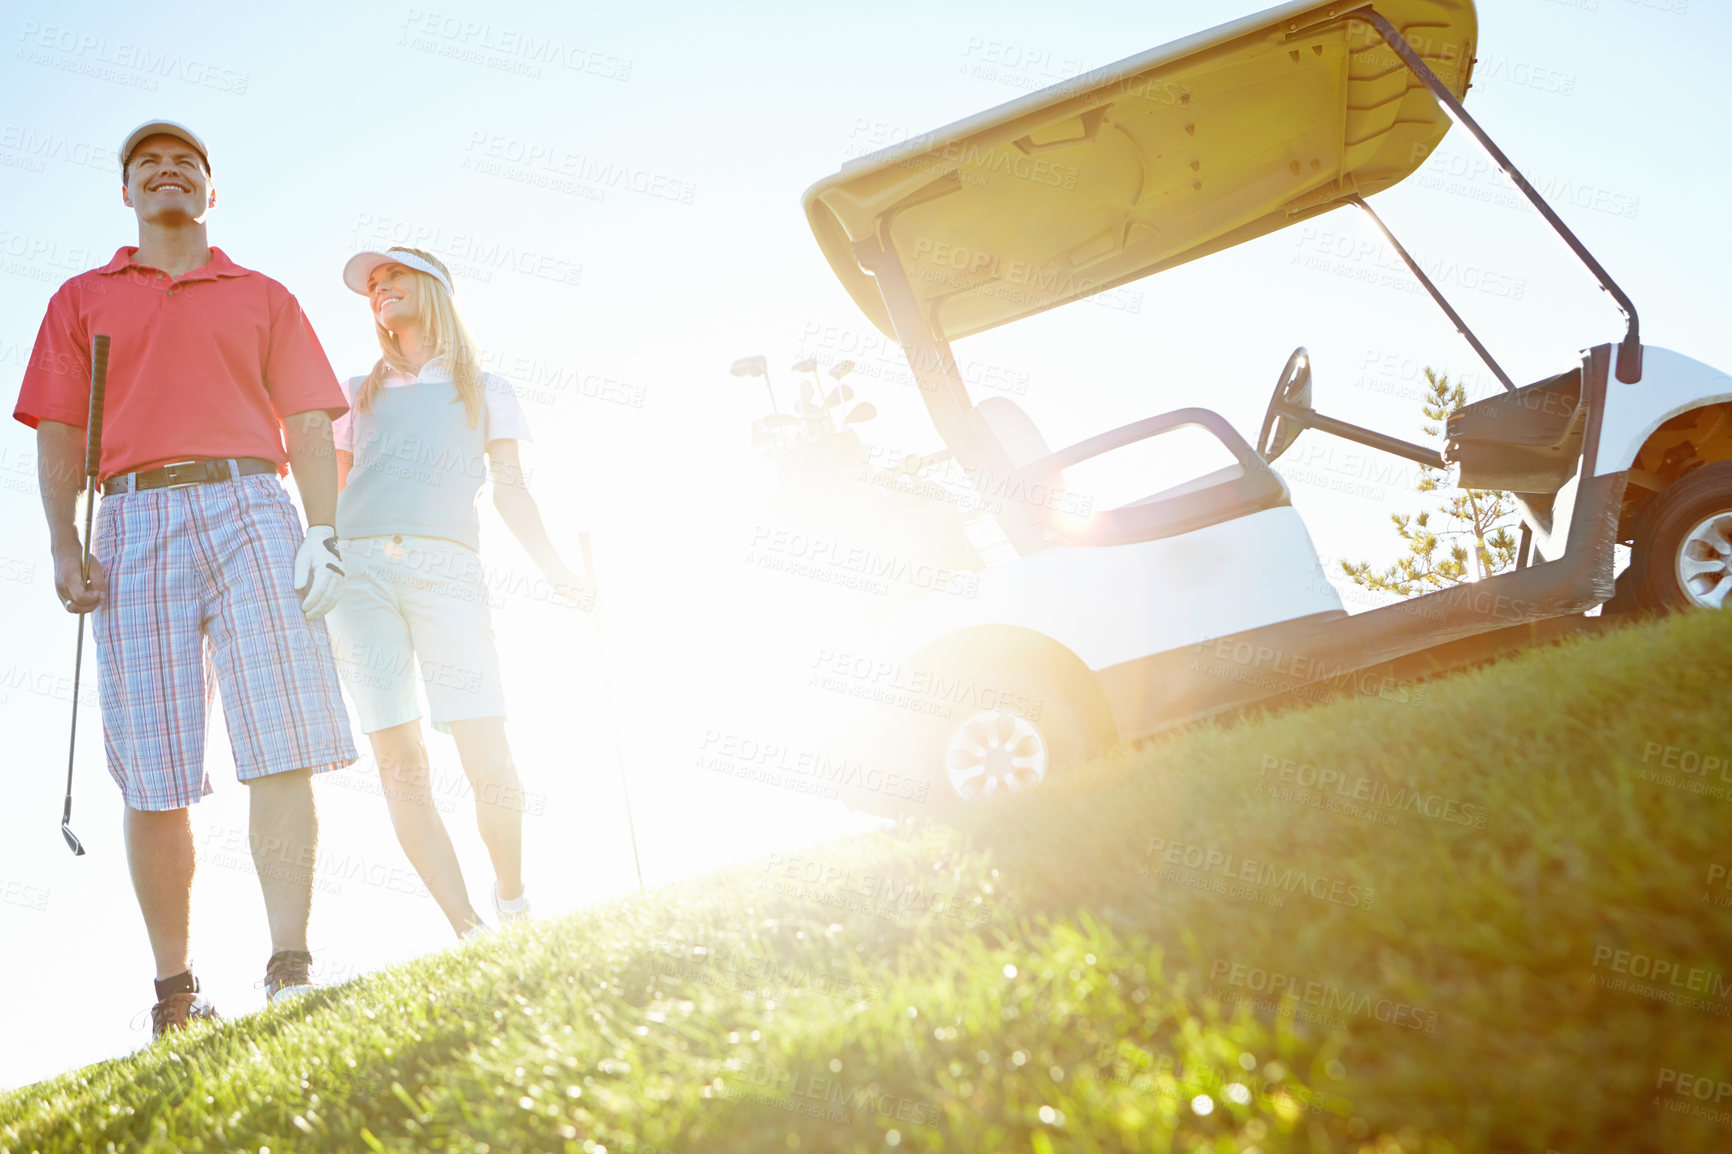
pixel 98 387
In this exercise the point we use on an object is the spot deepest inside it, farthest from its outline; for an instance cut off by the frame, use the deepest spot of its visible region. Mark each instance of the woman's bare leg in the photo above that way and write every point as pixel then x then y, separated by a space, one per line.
pixel 408 795
pixel 499 801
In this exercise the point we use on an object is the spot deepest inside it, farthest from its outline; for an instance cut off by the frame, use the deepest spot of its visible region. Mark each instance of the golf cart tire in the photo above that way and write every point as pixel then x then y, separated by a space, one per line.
pixel 1069 710
pixel 1071 714
pixel 1664 527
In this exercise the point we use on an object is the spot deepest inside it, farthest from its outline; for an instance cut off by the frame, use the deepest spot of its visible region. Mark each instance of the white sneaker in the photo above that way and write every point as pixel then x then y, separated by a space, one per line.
pixel 290 993
pixel 478 930
pixel 288 975
pixel 517 909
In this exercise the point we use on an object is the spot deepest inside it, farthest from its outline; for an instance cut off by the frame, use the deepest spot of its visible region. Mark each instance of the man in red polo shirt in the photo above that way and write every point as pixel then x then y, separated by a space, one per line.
pixel 198 558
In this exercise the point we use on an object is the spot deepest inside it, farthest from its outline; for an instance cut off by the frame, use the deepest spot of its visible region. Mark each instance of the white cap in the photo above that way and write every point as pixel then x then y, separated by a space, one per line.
pixel 362 264
pixel 163 128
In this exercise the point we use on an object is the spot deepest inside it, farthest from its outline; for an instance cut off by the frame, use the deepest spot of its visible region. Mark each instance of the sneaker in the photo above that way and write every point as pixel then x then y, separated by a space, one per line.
pixel 288 975
pixel 177 1011
pixel 478 930
pixel 516 909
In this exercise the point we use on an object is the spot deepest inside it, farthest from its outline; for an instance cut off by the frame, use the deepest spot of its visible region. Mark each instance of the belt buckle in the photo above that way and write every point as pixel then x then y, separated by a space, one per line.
pixel 171 474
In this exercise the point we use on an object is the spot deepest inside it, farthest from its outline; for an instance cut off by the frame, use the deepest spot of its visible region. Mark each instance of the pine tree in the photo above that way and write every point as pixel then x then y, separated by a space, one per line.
pixel 1474 526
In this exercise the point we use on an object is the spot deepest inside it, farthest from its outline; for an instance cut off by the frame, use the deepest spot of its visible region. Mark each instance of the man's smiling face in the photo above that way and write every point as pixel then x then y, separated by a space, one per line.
pixel 166 181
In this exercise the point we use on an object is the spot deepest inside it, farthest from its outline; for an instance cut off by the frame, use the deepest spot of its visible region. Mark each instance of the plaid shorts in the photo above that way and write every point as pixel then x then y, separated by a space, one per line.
pixel 200 581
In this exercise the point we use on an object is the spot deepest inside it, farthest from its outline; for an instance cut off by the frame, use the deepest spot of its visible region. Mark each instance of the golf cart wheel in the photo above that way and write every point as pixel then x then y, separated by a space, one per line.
pixel 1037 727
pixel 1683 551
pixel 995 752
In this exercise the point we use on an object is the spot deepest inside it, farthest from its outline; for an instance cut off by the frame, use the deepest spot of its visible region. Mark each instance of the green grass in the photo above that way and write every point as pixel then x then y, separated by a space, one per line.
pixel 1032 981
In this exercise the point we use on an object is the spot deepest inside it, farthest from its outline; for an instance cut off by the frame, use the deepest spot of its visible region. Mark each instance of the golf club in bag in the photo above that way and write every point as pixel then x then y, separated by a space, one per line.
pixel 612 711
pixel 92 459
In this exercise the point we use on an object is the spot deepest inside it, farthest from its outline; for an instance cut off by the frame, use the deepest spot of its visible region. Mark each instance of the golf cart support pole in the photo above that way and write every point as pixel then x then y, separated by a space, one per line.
pixel 1629 360
pixel 1371 439
pixel 1436 295
pixel 933 364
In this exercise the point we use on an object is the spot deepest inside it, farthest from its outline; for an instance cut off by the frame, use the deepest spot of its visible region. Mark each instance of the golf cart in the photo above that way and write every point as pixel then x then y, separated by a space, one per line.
pixel 1146 164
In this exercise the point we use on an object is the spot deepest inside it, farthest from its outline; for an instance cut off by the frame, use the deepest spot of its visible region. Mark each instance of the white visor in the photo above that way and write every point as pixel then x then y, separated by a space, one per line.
pixel 362 264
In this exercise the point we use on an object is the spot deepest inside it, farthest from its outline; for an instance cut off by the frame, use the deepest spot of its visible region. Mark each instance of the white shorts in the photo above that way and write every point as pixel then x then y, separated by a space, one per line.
pixel 415 606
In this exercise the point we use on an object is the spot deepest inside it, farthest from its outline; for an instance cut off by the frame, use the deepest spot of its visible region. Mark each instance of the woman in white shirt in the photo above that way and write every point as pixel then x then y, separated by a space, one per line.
pixel 424 428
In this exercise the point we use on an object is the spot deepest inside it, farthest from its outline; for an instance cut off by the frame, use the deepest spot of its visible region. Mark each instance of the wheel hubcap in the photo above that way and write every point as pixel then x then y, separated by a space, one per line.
pixel 995 752
pixel 1705 561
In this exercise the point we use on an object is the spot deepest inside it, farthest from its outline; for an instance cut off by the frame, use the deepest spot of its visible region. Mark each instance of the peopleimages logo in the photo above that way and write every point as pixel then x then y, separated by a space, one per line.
pixel 1323 995
pixel 234 849
pixel 958 268
pixel 927 690
pixel 1372 261
pixel 1212 860
pixel 1687 761
pixel 1695 979
pixel 740 755
pixel 1721 876
pixel 832 1099
pixel 1476 177
pixel 486 152
pixel 482 255
pixel 1693 1085
pixel 1311 678
pixel 134 65
pixel 720 966
pixel 40 145
pixel 525 45
pixel 1378 793
pixel 1163 1074
pixel 1663 980
pixel 791 546
pixel 892 896
pixel 46 254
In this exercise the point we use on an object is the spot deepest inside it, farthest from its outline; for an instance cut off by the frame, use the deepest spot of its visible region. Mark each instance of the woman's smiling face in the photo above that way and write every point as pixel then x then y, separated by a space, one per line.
pixel 395 294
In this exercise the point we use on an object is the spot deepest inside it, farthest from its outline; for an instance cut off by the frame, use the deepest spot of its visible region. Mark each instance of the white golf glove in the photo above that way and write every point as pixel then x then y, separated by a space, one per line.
pixel 319 572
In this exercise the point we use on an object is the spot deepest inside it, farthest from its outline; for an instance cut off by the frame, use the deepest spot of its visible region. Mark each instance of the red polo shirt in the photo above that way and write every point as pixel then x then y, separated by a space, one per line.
pixel 201 365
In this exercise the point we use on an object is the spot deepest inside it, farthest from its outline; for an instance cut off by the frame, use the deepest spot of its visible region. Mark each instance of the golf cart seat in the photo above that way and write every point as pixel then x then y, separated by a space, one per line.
pixel 1017 466
pixel 1526 441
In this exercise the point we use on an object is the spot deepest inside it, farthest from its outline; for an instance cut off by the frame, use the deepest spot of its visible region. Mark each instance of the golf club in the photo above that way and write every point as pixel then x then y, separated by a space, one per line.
pixel 612 710
pixel 756 367
pixel 92 461
pixel 817 403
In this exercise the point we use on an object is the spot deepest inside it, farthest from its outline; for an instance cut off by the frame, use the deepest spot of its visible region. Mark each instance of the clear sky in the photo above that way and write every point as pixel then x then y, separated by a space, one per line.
pixel 457 127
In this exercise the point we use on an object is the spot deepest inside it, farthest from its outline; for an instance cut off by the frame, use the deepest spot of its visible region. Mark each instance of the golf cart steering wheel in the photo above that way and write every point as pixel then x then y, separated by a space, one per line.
pixel 1292 395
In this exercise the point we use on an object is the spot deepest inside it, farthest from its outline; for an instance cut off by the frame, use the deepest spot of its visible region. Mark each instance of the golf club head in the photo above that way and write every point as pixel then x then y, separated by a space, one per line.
pixel 72 841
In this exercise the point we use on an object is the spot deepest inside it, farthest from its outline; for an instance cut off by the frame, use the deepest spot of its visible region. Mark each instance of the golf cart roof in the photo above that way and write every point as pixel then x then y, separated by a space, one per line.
pixel 1138 166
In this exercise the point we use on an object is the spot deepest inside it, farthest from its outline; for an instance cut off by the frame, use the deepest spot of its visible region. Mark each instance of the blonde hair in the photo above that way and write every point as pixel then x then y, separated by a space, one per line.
pixel 441 327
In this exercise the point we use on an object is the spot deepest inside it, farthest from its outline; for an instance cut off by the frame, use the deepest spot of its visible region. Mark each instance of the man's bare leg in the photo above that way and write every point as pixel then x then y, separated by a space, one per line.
pixel 403 775
pixel 159 852
pixel 284 838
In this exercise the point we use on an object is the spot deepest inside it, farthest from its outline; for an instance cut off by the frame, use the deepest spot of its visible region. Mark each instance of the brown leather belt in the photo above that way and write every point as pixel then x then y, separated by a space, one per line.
pixel 179 474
